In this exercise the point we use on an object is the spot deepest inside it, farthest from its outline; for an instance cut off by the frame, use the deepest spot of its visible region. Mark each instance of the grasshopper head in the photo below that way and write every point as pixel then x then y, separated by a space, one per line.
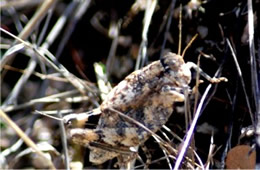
pixel 172 61
pixel 176 69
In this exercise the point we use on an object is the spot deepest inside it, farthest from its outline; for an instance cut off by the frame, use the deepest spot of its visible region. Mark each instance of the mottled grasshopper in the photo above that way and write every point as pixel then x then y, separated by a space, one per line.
pixel 147 96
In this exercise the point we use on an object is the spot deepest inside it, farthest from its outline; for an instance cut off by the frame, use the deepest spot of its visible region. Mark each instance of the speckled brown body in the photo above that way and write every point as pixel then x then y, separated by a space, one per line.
pixel 146 95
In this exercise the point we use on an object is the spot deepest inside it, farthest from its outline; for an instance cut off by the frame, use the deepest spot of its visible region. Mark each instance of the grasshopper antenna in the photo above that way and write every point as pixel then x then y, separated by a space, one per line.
pixel 180 30
pixel 191 41
pixel 52 117
pixel 180 35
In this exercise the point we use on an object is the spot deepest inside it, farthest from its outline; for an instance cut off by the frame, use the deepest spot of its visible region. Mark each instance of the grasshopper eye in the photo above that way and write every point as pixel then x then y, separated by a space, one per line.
pixel 70 120
pixel 171 61
pixel 76 120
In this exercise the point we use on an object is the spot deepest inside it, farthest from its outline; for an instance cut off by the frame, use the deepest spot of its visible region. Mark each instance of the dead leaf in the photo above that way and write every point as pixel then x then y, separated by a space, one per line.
pixel 241 157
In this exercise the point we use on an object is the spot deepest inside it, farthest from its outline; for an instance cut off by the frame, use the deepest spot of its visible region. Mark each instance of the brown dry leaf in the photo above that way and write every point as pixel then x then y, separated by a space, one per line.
pixel 240 157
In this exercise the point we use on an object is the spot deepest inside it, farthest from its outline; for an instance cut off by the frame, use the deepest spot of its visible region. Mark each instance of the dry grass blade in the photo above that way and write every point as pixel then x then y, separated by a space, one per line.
pixel 210 154
pixel 14 49
pixel 48 99
pixel 150 7
pixel 55 77
pixel 180 140
pixel 103 84
pixel 64 142
pixel 32 24
pixel 58 26
pixel 169 21
pixel 242 81
pixel 254 71
pixel 115 30
pixel 191 129
pixel 51 60
pixel 12 98
pixel 254 77
pixel 18 4
pixel 26 139
pixel 80 10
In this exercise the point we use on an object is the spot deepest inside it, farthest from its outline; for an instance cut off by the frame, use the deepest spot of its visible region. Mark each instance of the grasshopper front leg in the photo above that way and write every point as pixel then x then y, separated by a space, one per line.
pixel 79 119
pixel 205 75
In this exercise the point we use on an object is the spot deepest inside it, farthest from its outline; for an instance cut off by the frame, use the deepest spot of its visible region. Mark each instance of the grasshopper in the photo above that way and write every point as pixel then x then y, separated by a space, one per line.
pixel 147 96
